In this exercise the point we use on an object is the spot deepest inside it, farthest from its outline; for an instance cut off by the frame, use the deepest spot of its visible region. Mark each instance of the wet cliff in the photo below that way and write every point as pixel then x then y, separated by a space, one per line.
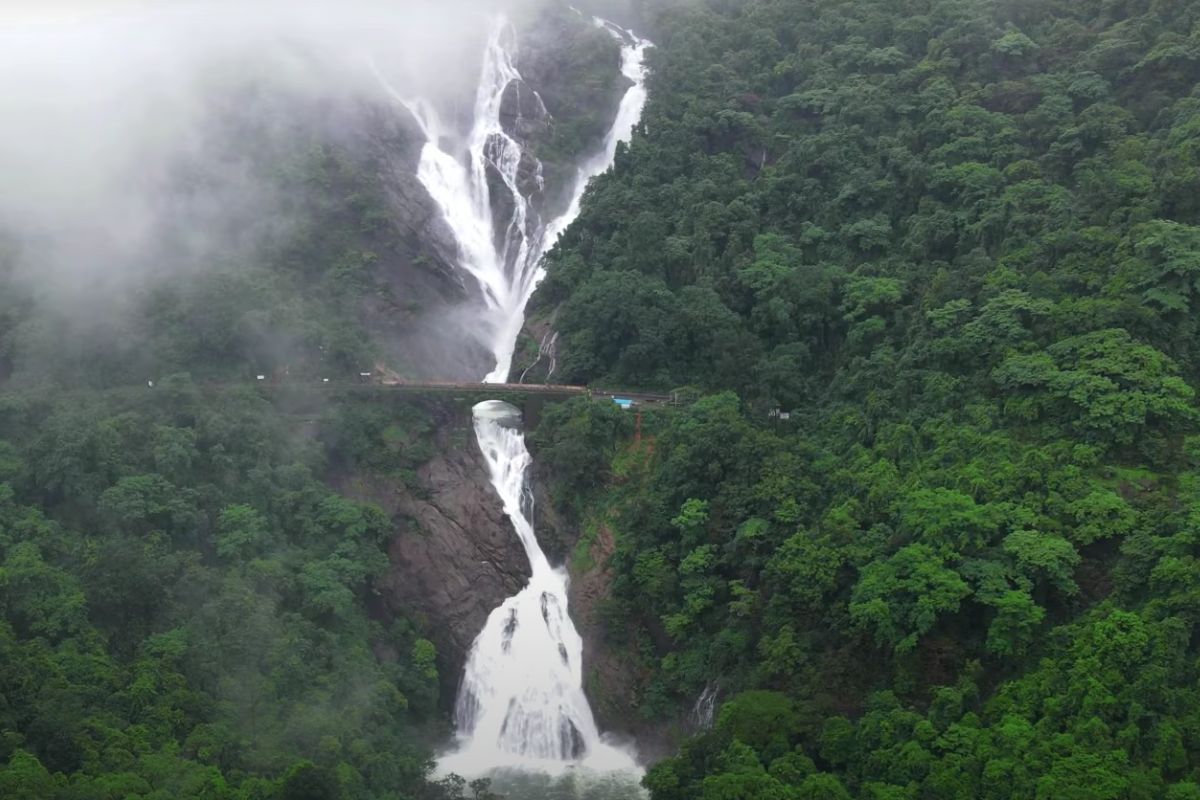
pixel 574 66
pixel 420 303
pixel 455 557
pixel 425 307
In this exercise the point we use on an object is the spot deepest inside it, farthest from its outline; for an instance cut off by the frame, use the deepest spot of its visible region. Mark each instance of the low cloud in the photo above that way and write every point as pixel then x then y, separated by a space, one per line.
pixel 104 99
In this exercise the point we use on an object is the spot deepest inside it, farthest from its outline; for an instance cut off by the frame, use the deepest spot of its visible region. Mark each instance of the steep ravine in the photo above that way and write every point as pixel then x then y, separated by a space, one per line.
pixel 455 556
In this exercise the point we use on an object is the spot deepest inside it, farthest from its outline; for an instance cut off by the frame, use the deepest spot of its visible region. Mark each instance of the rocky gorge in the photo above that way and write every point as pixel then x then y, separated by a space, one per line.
pixel 454 556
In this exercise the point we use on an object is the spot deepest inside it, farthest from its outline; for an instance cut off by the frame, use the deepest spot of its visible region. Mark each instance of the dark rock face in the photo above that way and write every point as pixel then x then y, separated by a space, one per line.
pixel 417 315
pixel 460 558
pixel 394 142
pixel 524 118
pixel 504 220
pixel 576 69
pixel 455 556
pixel 606 675
pixel 522 112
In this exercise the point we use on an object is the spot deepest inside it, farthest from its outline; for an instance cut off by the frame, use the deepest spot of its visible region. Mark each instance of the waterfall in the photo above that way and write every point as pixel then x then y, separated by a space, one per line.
pixel 629 114
pixel 521 702
pixel 505 256
pixel 705 708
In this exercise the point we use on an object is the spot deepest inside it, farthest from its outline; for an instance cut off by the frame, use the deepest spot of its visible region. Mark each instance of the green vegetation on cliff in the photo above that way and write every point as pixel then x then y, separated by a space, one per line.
pixel 186 607
pixel 959 241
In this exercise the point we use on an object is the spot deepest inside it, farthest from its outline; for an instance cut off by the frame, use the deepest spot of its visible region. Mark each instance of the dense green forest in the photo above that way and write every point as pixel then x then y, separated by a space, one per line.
pixel 185 603
pixel 958 242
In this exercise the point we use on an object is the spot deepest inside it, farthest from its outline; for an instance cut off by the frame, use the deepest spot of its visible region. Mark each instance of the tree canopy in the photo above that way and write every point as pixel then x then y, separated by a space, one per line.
pixel 956 242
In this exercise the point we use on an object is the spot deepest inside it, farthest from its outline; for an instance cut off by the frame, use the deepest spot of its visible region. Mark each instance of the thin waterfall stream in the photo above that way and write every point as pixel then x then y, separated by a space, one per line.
pixel 521 702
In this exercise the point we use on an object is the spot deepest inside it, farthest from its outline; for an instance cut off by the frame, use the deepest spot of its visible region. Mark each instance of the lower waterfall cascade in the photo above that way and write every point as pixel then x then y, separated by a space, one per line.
pixel 521 703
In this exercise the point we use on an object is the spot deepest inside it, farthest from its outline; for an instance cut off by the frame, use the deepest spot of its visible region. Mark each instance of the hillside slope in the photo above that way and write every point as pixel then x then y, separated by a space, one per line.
pixel 957 242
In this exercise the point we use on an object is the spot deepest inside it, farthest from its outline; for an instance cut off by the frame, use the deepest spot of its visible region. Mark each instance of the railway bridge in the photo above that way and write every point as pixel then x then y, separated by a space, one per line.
pixel 530 397
pixel 524 389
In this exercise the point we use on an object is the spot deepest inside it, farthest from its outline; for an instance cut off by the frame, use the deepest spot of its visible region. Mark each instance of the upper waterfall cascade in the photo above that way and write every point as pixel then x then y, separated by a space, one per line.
pixel 521 702
pixel 505 255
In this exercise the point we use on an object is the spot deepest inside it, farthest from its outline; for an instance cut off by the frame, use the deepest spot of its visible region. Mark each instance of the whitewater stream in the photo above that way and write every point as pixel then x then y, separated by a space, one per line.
pixel 521 704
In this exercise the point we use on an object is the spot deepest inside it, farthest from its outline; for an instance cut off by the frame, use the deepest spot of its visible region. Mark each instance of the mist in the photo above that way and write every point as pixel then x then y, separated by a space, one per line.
pixel 105 99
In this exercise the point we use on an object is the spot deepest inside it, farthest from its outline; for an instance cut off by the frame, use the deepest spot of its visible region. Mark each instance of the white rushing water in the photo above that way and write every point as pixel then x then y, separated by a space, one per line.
pixel 506 257
pixel 521 702
pixel 705 708
pixel 629 114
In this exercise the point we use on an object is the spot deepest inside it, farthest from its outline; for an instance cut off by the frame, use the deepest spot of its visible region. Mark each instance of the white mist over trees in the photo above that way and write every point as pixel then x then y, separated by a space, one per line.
pixel 148 142
pixel 111 95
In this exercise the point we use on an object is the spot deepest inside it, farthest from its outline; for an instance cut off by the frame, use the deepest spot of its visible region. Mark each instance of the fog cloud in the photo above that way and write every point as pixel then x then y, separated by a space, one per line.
pixel 102 99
